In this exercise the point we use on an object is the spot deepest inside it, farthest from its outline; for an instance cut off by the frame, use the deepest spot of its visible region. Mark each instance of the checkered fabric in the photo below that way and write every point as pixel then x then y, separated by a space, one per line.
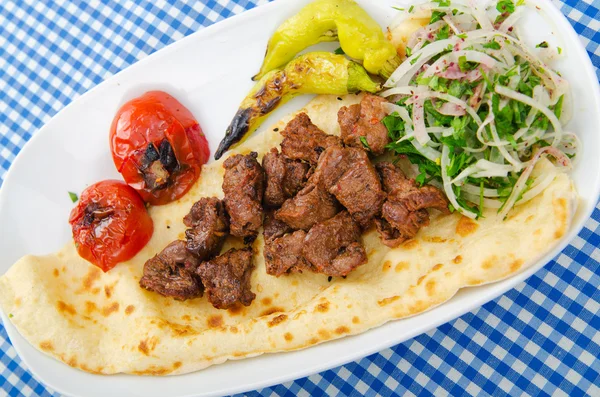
pixel 541 338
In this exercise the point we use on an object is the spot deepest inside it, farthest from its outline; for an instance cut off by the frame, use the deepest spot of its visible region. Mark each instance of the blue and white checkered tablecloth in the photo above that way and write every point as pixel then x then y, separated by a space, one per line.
pixel 541 338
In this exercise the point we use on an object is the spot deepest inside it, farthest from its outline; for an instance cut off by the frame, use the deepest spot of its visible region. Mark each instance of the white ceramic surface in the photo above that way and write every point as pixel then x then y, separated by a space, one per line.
pixel 209 72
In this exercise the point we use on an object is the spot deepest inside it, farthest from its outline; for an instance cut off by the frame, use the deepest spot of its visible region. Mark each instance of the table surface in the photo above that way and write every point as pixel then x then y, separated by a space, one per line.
pixel 541 338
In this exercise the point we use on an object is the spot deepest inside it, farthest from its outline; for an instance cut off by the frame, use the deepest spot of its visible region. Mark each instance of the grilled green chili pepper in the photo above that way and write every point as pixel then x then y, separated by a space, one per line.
pixel 312 73
pixel 360 36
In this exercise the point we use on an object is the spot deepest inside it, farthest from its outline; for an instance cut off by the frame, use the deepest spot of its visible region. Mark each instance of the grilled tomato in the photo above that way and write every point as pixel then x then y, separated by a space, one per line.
pixel 158 147
pixel 110 224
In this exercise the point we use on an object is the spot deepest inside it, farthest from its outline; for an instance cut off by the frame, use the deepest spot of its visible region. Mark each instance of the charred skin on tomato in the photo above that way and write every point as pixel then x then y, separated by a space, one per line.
pixel 110 224
pixel 158 147
pixel 157 165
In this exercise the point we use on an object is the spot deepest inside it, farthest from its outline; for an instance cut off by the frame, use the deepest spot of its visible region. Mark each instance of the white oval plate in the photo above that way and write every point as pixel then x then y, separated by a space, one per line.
pixel 209 72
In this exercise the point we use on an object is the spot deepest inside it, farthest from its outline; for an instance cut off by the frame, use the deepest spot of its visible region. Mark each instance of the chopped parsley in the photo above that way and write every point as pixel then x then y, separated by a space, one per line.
pixel 436 16
pixel 411 8
pixel 10 315
pixel 543 44
pixel 339 51
pixel 505 6
pixel 363 140
pixel 73 197
pixel 413 61
pixel 493 45
pixel 465 65
pixel 443 33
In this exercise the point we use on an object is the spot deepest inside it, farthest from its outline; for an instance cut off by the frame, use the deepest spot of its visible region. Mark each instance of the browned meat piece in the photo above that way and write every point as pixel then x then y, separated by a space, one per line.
pixel 405 210
pixel 359 189
pixel 284 254
pixel 305 141
pixel 348 117
pixel 405 224
pixel 226 278
pixel 333 247
pixel 348 174
pixel 208 225
pixel 402 189
pixel 333 163
pixel 424 197
pixel 311 205
pixel 172 273
pixel 284 177
pixel 389 236
pixel 364 120
pixel 393 178
pixel 244 186
pixel 274 228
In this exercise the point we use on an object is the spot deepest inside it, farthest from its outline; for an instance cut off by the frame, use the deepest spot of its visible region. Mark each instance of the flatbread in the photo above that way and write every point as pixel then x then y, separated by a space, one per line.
pixel 105 323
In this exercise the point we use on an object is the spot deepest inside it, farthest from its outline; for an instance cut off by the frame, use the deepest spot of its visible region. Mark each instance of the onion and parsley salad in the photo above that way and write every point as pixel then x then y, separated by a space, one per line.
pixel 475 109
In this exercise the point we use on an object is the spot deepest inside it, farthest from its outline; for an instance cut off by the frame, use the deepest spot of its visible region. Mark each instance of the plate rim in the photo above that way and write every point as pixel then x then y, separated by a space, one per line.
pixel 565 28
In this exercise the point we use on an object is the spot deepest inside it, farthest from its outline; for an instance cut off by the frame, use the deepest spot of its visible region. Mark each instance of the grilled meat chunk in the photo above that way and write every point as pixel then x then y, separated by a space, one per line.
pixel 333 247
pixel 358 188
pixel 226 278
pixel 348 174
pixel 393 178
pixel 208 227
pixel 311 205
pixel 305 141
pixel 405 210
pixel 398 224
pixel 284 254
pixel 172 273
pixel 284 178
pixel 364 120
pixel 244 186
pixel 274 228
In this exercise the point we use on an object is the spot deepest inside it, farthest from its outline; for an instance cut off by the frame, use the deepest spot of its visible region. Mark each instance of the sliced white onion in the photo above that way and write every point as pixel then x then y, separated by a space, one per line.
pixel 450 23
pixel 405 90
pixel 483 168
pixel 451 109
pixel 429 152
pixel 449 63
pixel 411 65
pixel 511 20
pixel 487 203
pixel 418 119
pixel 480 16
pixel 424 33
pixel 540 184
pixel 440 130
pixel 521 182
pixel 455 100
pixel 474 189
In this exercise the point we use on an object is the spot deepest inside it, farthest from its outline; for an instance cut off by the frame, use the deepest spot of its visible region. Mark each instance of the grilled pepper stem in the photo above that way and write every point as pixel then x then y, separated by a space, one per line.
pixel 359 35
pixel 312 73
